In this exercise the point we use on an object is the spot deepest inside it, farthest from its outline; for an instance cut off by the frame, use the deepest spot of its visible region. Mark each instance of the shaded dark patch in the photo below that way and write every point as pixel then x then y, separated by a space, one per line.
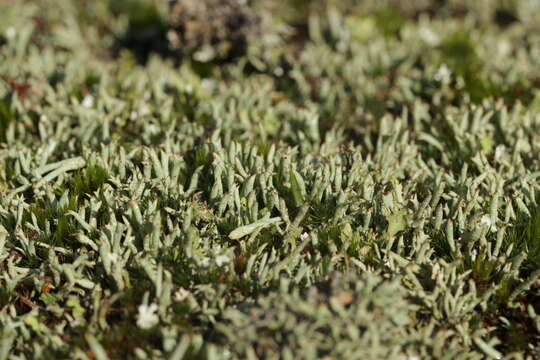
pixel 7 116
pixel 146 32
pixel 505 17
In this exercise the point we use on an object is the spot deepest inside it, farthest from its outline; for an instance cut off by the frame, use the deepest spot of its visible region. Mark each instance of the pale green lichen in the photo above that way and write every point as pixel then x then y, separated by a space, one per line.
pixel 360 182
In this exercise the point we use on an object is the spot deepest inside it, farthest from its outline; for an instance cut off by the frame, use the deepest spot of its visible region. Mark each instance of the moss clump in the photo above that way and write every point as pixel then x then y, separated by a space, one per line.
pixel 212 30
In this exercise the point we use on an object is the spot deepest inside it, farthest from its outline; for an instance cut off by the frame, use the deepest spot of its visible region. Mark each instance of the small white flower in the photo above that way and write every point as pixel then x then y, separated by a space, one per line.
pixel 487 222
pixel 133 116
pixel 113 258
pixel 279 71
pixel 429 36
pixel 181 294
pixel 304 236
pixel 145 110
pixel 222 260
pixel 147 317
pixel 443 74
pixel 474 253
pixel 11 32
pixel 88 101
pixel 204 262
pixel 205 54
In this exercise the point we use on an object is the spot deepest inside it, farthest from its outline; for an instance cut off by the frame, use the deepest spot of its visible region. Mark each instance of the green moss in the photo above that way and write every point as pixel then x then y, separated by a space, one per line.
pixel 61 223
pixel 389 21
pixel 524 236
pixel 86 181
pixel 6 118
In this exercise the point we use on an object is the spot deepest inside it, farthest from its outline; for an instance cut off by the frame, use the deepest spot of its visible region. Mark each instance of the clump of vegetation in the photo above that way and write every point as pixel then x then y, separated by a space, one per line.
pixel 211 30
pixel 264 179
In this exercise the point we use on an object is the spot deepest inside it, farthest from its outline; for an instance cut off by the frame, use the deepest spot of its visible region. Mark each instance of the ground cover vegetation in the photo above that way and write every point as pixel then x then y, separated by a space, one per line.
pixel 263 179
